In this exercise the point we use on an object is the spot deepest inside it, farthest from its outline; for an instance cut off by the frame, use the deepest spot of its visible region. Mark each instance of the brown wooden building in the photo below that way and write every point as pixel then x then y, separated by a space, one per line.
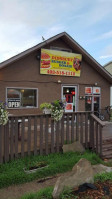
pixel 24 88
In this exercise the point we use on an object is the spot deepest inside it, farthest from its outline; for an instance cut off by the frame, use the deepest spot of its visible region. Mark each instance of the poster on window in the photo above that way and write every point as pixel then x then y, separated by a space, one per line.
pixel 88 90
pixel 62 63
pixel 14 103
pixel 96 90
pixel 69 107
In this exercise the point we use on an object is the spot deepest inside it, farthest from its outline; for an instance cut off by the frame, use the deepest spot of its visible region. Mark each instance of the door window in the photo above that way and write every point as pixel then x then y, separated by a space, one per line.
pixel 69 94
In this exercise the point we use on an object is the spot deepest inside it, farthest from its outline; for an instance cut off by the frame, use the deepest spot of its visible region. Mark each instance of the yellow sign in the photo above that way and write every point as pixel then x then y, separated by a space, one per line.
pixel 60 63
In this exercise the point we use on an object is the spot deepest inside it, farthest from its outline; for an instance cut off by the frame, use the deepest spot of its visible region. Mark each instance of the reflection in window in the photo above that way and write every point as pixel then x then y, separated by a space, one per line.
pixel 18 98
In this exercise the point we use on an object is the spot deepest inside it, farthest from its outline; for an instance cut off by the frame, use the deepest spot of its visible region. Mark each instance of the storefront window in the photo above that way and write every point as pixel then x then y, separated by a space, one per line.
pixel 20 98
pixel 92 99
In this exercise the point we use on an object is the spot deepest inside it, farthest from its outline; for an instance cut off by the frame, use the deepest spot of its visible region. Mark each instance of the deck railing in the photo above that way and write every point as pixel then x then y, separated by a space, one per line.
pixel 39 134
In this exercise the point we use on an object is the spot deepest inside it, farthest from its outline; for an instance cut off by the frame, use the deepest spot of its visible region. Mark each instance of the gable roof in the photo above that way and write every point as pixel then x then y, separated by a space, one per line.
pixel 109 63
pixel 69 40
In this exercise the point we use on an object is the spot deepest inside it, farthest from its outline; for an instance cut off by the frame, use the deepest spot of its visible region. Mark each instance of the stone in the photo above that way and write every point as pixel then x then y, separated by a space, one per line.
pixel 75 147
pixel 81 173
pixel 100 168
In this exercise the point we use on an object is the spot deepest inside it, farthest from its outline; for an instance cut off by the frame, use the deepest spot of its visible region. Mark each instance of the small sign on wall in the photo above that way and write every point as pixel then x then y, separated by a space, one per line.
pixel 69 107
pixel 14 103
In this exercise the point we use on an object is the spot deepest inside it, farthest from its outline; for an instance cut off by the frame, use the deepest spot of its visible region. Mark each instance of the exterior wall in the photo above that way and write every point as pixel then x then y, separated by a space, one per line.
pixel 109 68
pixel 26 73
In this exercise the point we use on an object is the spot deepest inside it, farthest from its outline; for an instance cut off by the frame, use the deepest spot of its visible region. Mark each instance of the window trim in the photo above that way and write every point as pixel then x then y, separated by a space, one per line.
pixel 24 89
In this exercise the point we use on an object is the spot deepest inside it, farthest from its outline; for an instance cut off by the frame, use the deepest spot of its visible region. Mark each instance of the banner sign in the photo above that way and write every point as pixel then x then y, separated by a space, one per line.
pixel 55 62
pixel 13 103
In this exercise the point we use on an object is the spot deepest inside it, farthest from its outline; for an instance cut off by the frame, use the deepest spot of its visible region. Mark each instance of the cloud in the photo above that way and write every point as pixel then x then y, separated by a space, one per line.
pixel 24 22
pixel 106 53
pixel 105 56
pixel 106 35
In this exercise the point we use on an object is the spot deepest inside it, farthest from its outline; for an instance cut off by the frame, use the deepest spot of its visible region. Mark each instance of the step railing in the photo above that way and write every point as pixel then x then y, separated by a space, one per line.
pixel 96 137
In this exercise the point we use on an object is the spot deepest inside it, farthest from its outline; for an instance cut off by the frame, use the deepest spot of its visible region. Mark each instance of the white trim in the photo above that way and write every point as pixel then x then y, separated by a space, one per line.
pixel 24 89
pixel 111 96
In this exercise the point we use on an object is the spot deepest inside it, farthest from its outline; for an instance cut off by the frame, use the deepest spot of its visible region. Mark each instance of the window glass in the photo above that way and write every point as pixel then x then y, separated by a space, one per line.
pixel 18 98
pixel 88 103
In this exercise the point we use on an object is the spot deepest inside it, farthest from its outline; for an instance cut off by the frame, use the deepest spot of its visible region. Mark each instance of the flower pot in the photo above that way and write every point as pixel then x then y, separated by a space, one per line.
pixel 46 111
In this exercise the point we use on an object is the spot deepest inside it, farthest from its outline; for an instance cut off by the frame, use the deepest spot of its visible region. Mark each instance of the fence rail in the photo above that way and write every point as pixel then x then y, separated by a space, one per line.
pixel 39 134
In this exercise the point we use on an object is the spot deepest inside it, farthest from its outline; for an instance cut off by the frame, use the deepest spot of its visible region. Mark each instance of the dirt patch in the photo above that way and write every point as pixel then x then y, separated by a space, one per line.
pixel 16 191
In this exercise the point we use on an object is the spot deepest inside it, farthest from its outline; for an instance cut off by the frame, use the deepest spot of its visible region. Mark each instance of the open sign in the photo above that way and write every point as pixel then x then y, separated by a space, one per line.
pixel 14 103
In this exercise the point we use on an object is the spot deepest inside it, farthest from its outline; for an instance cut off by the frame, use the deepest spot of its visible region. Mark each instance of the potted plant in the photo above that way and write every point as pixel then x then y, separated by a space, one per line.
pixel 3 114
pixel 46 108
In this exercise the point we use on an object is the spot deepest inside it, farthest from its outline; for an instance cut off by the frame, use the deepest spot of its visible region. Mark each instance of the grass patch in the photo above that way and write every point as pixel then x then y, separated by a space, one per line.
pixel 12 172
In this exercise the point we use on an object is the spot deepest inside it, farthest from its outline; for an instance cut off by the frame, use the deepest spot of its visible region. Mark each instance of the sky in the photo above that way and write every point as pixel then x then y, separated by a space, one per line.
pixel 24 22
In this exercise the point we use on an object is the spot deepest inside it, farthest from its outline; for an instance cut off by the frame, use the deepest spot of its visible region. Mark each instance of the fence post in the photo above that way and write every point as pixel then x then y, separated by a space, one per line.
pixel 100 131
pixel 91 133
pixel 1 144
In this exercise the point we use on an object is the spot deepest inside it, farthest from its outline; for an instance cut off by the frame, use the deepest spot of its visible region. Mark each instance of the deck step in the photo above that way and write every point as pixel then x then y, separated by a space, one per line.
pixel 107 149
pixel 106 156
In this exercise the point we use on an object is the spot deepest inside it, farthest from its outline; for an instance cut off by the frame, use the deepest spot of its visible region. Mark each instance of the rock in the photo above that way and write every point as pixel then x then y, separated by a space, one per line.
pixel 100 168
pixel 75 147
pixel 81 173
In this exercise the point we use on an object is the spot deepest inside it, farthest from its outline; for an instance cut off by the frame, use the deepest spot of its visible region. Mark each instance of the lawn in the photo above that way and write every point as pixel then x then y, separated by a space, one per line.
pixel 12 172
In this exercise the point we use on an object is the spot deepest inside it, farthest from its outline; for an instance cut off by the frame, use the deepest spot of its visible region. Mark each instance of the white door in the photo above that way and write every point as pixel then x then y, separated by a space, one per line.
pixel 69 94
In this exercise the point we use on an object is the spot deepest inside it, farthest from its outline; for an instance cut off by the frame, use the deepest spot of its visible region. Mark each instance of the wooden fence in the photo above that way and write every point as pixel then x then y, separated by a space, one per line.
pixel 39 134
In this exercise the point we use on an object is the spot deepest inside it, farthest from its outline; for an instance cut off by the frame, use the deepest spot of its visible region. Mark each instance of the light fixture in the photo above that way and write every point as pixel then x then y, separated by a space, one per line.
pixel 38 57
pixel 96 83
pixel 81 97
pixel 67 90
pixel 59 81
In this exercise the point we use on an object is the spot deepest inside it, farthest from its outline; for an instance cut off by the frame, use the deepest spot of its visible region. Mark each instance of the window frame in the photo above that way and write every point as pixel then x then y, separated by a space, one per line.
pixel 23 89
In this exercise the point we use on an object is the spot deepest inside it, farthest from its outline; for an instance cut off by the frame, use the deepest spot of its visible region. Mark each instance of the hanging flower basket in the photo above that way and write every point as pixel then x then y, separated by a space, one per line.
pixel 3 114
